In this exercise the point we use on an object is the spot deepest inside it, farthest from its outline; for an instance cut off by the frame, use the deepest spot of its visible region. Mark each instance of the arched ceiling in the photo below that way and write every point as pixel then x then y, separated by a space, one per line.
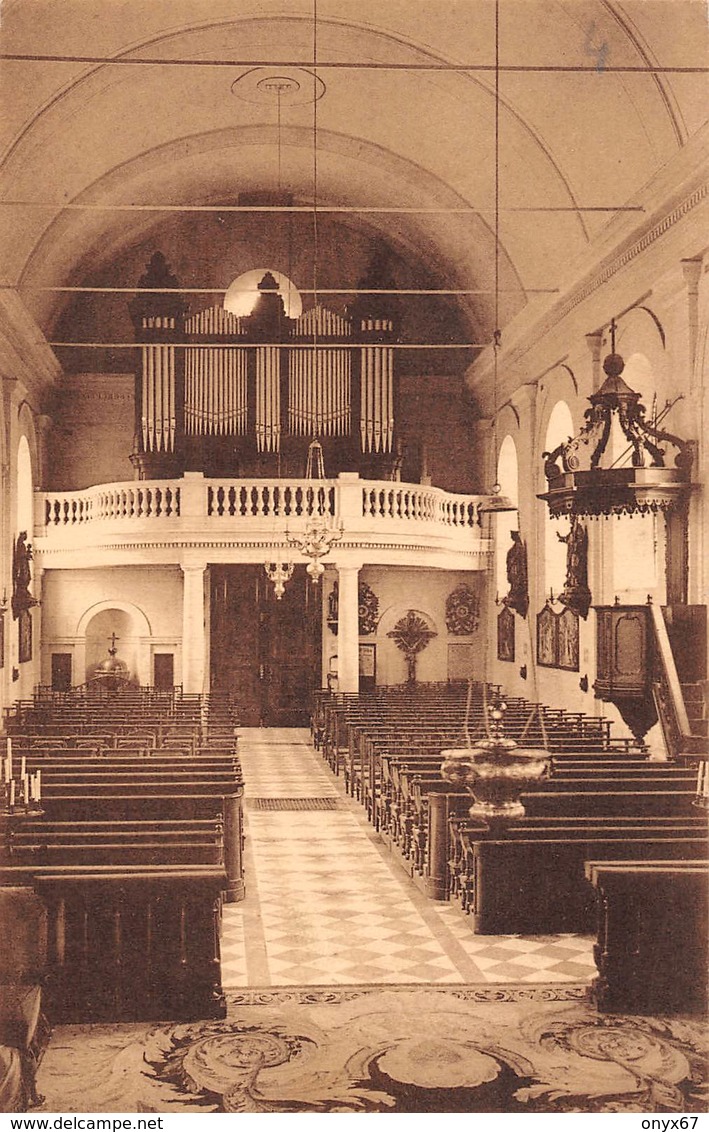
pixel 396 128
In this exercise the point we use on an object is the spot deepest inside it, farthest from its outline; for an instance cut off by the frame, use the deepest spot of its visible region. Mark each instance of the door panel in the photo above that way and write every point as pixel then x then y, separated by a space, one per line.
pixel 164 670
pixel 265 652
pixel 61 671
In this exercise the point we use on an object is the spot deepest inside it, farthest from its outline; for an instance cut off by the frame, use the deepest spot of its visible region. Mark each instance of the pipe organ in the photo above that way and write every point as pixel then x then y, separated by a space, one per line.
pixel 221 393
pixel 320 380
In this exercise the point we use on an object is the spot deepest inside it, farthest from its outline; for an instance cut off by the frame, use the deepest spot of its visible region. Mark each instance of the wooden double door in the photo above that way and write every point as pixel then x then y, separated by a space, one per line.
pixel 266 653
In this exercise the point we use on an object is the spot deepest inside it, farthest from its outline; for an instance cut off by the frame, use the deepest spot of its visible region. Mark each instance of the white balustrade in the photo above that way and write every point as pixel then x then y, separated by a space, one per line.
pixel 268 499
pixel 143 500
pixel 193 506
pixel 411 502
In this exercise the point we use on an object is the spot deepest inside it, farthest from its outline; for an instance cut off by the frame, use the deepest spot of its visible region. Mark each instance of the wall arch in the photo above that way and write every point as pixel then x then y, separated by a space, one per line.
pixel 24 501
pixel 139 619
pixel 132 629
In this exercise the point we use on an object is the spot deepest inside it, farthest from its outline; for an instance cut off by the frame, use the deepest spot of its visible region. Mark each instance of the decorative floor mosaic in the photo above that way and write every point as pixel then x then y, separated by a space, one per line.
pixel 327 904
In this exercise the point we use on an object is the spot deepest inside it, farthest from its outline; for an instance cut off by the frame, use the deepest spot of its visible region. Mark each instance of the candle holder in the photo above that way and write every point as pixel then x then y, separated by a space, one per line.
pixel 18 803
pixel 19 794
pixel 495 771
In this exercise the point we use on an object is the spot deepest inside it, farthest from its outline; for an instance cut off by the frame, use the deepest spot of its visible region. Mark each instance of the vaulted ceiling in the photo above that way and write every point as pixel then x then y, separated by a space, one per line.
pixel 175 104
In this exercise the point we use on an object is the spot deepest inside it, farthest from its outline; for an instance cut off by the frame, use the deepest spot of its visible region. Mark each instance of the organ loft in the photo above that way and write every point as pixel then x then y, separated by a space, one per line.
pixel 353 556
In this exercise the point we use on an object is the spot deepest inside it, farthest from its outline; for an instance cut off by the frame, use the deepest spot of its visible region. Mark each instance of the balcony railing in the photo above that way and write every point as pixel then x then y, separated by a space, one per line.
pixel 248 499
pixel 117 515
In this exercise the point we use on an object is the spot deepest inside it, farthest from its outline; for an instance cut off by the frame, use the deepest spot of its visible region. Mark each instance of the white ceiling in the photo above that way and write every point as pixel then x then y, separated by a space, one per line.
pixel 408 138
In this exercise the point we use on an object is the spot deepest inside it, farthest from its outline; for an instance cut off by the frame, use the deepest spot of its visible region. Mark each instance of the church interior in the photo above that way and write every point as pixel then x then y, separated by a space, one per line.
pixel 353 556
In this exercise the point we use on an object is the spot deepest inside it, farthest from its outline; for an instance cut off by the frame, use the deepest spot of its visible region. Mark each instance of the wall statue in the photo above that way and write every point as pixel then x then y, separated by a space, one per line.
pixel 576 595
pixel 517 597
pixel 22 599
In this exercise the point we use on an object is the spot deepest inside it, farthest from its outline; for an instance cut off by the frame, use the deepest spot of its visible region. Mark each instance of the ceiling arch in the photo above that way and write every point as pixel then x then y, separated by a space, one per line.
pixel 395 129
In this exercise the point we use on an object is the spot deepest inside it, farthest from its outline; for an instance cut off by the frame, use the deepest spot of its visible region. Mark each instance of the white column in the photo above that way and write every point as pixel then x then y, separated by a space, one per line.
pixel 348 629
pixel 194 641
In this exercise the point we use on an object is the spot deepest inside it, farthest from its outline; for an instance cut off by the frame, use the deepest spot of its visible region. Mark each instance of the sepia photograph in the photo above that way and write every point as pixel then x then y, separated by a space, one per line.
pixel 354 559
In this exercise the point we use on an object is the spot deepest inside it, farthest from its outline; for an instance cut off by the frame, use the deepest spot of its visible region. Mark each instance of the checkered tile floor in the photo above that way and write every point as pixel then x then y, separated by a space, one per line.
pixel 326 904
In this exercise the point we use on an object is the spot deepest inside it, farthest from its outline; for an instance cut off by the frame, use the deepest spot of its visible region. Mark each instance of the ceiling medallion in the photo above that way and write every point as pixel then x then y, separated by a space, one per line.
pixel 290 87
pixel 590 481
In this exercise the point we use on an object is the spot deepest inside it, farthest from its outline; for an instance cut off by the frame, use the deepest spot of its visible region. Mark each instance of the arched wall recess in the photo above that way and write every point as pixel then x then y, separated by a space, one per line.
pixel 141 624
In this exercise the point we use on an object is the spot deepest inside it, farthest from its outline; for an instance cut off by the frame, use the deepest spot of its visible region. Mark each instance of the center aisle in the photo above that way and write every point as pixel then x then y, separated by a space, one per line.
pixel 326 904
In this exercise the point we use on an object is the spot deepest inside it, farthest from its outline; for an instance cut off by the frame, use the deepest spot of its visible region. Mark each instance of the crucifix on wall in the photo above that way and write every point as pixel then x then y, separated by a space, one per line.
pixel 411 635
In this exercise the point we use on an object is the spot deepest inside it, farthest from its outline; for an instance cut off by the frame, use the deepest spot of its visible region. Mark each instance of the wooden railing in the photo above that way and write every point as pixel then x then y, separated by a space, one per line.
pixel 666 688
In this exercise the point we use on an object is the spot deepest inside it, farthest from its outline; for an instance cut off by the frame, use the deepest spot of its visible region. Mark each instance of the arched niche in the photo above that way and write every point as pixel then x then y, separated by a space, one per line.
pixel 24 520
pixel 132 630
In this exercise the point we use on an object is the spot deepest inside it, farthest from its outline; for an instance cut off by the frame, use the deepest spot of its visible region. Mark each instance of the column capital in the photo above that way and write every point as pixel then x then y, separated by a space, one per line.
pixel 692 271
pixel 348 567
pixel 594 342
pixel 190 566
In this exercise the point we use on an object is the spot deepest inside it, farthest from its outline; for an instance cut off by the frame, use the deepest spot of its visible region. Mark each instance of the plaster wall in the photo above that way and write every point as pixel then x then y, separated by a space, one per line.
pixel 425 591
pixel 92 434
pixel 81 608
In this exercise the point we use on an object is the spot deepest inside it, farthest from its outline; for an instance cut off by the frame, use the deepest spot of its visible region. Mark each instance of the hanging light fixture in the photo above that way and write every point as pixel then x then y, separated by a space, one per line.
pixel 319 535
pixel 279 573
pixel 582 476
pixel 315 543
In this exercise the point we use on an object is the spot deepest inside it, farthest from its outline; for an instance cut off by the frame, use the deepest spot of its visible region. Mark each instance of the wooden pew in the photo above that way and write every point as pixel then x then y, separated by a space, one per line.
pixel 131 944
pixel 536 885
pixel 125 789
pixel 651 950
pixel 24 1031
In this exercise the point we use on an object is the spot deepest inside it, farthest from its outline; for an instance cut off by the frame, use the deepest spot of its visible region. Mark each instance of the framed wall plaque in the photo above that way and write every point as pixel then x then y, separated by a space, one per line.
pixel 506 635
pixel 558 639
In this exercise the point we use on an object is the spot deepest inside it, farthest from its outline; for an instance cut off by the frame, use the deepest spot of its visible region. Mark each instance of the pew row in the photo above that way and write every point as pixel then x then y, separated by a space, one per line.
pixel 651 950
pixel 137 943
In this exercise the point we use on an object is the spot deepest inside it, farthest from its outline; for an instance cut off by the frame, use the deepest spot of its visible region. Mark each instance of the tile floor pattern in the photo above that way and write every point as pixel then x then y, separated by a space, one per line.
pixel 326 903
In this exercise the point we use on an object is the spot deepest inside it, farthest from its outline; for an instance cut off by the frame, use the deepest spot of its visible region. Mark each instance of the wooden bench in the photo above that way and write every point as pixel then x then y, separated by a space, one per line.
pixel 536 885
pixel 24 1031
pixel 651 950
pixel 131 944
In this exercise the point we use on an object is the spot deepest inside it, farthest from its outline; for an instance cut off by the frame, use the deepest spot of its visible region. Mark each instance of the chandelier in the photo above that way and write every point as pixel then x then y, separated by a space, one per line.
pixel 278 573
pixel 582 476
pixel 315 543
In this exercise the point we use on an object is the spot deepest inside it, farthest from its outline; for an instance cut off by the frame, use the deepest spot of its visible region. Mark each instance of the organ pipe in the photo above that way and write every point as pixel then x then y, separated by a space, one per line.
pixel 377 399
pixel 158 409
pixel 318 388
pixel 215 391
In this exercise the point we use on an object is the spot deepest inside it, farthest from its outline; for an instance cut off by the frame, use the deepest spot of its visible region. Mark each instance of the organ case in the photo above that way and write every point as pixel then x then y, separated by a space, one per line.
pixel 236 395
